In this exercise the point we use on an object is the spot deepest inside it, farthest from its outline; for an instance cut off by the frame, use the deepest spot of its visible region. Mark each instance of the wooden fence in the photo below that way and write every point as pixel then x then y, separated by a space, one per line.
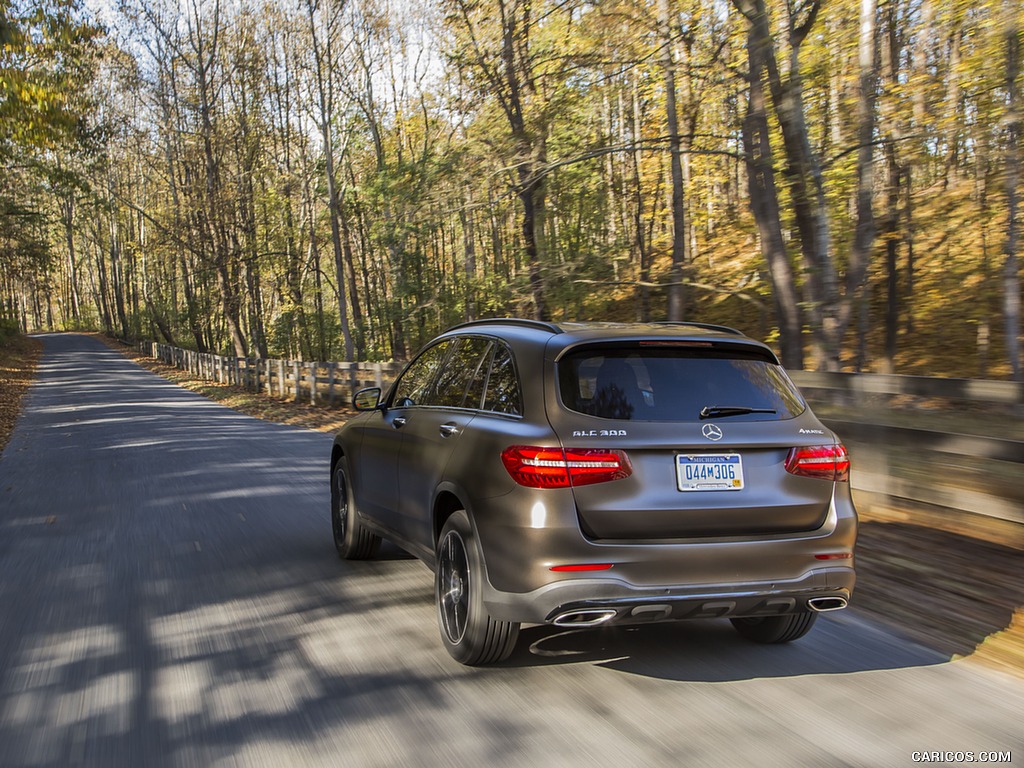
pixel 302 381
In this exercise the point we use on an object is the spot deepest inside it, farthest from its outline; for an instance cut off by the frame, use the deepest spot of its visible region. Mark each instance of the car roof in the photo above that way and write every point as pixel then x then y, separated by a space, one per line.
pixel 660 327
pixel 560 337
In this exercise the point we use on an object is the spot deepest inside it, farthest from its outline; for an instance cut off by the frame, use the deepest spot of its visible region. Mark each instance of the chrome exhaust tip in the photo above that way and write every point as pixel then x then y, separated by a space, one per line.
pixel 823 604
pixel 584 617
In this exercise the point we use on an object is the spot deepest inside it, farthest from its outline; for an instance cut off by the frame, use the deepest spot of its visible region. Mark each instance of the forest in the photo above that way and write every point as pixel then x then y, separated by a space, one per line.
pixel 342 179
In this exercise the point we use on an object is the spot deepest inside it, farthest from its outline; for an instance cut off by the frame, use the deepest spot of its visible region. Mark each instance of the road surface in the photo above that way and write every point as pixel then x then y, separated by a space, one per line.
pixel 170 596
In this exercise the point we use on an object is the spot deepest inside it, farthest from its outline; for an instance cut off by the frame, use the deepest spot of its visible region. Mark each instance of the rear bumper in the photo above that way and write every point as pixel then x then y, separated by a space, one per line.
pixel 524 535
pixel 617 602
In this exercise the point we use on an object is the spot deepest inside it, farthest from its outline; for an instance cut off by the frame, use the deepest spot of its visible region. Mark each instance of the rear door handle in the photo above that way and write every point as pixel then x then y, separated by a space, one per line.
pixel 398 422
pixel 449 429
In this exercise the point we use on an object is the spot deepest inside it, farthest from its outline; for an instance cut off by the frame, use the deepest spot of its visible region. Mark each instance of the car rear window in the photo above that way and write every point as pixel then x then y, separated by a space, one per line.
pixel 665 384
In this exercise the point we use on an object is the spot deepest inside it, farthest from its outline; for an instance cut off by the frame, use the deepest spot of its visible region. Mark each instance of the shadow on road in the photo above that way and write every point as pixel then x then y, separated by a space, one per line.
pixel 712 652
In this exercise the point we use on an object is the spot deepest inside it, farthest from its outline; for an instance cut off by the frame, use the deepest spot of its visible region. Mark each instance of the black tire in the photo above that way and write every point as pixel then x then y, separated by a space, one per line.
pixel 468 632
pixel 775 629
pixel 351 538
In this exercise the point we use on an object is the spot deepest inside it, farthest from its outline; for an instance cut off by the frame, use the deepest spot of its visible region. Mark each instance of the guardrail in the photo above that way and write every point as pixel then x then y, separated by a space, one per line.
pixel 969 473
pixel 926 466
pixel 855 387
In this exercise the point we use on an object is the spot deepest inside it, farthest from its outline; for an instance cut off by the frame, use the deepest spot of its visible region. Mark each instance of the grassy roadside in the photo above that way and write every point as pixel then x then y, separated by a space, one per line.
pixel 958 591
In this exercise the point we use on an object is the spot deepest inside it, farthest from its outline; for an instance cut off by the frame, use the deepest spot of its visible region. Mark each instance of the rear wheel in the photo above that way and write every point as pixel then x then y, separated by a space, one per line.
pixel 775 629
pixel 469 633
pixel 351 538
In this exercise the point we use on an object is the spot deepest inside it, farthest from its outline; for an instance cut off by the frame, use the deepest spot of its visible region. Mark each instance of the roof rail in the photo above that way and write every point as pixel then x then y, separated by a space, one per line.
pixel 705 326
pixel 521 321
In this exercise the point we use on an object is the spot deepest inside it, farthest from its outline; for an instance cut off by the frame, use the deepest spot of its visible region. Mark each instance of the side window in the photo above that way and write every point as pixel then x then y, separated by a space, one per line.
pixel 503 394
pixel 462 368
pixel 475 394
pixel 413 387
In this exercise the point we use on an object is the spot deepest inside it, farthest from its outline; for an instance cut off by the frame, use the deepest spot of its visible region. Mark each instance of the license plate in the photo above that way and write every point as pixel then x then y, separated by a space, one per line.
pixel 709 472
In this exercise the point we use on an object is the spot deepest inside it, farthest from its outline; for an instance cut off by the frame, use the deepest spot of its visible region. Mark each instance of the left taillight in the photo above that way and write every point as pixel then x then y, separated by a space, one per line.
pixel 539 467
pixel 827 462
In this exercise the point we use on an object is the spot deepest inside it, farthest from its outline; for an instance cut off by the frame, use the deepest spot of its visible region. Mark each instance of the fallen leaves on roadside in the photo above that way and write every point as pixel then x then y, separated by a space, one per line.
pixel 18 359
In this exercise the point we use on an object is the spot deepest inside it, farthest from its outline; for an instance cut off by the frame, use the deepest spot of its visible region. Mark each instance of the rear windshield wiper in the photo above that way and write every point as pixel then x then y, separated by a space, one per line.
pixel 710 411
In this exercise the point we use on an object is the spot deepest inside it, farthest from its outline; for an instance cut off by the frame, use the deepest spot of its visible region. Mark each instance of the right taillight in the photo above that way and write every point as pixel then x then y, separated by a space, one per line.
pixel 540 467
pixel 827 462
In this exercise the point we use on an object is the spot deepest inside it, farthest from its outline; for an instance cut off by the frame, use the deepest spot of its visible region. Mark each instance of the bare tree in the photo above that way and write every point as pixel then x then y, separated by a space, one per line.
pixel 499 50
pixel 324 27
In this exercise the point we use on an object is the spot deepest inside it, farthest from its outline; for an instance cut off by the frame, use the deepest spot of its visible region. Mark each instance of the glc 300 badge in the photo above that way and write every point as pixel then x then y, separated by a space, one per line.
pixel 712 432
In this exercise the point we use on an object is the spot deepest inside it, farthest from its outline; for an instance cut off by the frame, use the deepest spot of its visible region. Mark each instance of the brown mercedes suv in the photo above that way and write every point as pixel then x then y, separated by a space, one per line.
pixel 582 474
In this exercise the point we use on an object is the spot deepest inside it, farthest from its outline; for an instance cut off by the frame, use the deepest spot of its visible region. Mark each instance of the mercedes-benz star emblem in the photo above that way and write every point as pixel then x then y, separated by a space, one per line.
pixel 712 432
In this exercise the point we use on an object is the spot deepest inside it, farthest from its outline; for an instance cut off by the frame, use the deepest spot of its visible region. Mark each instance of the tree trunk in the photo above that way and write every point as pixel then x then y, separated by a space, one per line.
pixel 676 287
pixel 764 203
pixel 531 145
pixel 359 341
pixel 531 194
pixel 1011 265
pixel 892 133
pixel 641 241
pixel 161 324
pixel 117 273
pixel 102 292
pixel 468 260
pixel 333 207
pixel 892 267
pixel 67 209
pixel 864 227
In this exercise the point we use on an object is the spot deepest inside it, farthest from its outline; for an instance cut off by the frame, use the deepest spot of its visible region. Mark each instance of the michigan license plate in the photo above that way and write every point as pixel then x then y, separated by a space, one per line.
pixel 709 472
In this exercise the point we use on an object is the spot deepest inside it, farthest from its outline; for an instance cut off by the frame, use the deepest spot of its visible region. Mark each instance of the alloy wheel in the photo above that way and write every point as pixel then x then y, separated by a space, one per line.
pixel 453 567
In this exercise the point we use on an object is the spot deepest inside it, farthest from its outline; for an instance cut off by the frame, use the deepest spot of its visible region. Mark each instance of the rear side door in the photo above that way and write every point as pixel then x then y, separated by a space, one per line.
pixel 717 475
pixel 434 429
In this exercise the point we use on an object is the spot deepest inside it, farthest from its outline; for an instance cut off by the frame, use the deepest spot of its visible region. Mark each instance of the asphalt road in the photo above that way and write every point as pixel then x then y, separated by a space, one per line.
pixel 169 596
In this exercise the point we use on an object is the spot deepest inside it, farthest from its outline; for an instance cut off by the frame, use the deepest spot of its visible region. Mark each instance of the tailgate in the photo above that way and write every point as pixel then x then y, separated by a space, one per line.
pixel 684 485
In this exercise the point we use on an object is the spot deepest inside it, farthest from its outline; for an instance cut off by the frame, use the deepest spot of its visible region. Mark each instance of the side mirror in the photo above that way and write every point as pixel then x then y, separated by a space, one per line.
pixel 367 399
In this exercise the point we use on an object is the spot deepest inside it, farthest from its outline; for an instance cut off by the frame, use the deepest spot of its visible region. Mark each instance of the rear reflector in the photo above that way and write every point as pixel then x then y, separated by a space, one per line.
pixel 835 556
pixel 537 467
pixel 582 567
pixel 828 462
